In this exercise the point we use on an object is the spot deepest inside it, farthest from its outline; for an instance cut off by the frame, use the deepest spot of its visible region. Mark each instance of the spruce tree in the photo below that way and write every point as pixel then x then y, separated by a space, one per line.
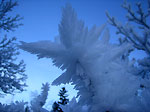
pixel 12 74
pixel 56 107
pixel 63 100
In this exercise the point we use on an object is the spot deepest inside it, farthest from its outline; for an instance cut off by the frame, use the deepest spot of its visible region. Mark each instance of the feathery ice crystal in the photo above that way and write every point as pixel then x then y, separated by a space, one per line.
pixel 105 81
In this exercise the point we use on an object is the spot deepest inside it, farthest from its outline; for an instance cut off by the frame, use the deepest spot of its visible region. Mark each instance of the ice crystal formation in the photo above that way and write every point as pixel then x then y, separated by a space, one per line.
pixel 105 81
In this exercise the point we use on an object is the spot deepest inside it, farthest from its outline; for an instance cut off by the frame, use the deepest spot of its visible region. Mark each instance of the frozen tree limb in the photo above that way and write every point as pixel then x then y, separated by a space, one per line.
pixel 140 18
pixel 140 41
pixel 8 23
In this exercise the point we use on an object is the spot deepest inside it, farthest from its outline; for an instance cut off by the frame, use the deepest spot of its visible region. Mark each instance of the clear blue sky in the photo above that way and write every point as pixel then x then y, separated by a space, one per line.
pixel 41 19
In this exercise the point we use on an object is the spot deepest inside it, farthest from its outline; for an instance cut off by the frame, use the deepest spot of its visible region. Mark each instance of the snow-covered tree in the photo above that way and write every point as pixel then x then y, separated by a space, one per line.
pixel 105 82
pixel 39 101
pixel 36 104
pixel 12 74
pixel 137 31
pixel 13 107
pixel 73 106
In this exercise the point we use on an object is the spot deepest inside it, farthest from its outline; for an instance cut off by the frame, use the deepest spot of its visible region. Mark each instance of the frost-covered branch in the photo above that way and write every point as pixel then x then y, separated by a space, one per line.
pixel 138 34
pixel 12 74
pixel 8 23
pixel 141 42
pixel 140 18
pixel 13 107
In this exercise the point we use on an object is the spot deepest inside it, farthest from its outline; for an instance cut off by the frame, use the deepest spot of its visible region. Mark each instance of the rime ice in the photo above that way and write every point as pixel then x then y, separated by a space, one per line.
pixel 104 80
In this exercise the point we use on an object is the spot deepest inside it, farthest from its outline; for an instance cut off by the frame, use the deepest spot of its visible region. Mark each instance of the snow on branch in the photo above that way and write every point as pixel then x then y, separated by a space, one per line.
pixel 141 19
pixel 8 23
pixel 141 42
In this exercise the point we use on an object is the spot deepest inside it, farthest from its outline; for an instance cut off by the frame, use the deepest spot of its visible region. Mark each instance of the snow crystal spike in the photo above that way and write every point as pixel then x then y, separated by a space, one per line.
pixel 106 36
pixel 104 70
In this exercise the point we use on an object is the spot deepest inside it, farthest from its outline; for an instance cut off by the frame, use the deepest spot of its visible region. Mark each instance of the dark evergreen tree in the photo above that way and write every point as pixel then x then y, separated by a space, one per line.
pixel 27 109
pixel 63 100
pixel 12 74
pixel 56 107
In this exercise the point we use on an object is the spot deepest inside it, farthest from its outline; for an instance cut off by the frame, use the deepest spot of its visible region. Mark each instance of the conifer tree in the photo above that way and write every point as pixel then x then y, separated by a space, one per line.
pixel 63 100
pixel 56 107
pixel 39 101
pixel 12 74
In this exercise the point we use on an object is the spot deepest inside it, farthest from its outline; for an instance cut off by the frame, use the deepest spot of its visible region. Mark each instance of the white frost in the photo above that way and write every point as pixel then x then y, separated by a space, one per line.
pixel 104 80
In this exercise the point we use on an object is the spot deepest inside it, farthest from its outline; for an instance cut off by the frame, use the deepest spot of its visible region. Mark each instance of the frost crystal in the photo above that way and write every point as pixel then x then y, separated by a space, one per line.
pixel 105 81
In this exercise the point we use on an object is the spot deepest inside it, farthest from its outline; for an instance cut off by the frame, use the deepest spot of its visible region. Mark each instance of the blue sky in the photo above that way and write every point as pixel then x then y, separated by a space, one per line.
pixel 41 19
